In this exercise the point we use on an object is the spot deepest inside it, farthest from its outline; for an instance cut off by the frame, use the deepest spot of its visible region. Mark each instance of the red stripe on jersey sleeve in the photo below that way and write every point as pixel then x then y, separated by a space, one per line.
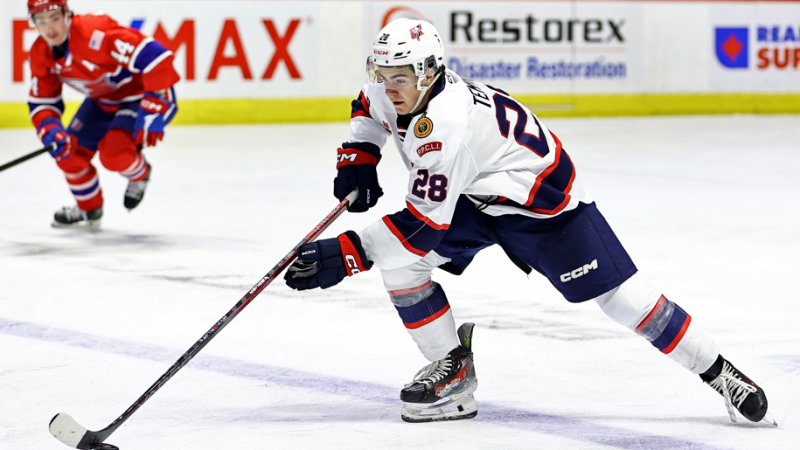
pixel 426 220
pixel 401 238
pixel 360 114
pixel 544 174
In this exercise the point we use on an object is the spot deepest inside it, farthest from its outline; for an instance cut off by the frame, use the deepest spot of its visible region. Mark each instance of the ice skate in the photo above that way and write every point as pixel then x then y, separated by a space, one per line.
pixel 738 391
pixel 443 389
pixel 74 217
pixel 135 191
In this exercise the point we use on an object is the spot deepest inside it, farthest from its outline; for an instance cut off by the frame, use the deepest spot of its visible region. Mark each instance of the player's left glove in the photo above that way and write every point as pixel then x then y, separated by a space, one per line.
pixel 155 112
pixel 327 262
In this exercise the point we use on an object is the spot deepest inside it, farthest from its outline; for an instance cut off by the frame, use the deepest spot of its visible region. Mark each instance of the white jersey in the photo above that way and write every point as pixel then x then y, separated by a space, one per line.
pixel 471 140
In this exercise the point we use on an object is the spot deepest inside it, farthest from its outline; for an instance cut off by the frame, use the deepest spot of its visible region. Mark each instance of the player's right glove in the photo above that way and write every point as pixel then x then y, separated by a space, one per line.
pixel 358 169
pixel 51 131
pixel 327 262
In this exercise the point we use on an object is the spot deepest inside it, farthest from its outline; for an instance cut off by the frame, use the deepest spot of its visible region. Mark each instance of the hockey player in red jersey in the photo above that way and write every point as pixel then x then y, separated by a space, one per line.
pixel 484 170
pixel 128 79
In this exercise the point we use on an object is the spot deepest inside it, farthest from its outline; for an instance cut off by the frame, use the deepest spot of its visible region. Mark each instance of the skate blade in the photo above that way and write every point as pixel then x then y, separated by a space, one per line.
pixel 77 225
pixel 768 419
pixel 464 407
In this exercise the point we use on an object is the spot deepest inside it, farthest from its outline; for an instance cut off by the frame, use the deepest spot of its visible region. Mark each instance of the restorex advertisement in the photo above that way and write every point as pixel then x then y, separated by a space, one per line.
pixel 533 46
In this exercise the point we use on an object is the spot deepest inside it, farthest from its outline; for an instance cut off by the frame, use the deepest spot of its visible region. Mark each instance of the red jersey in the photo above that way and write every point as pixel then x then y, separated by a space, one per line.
pixel 110 63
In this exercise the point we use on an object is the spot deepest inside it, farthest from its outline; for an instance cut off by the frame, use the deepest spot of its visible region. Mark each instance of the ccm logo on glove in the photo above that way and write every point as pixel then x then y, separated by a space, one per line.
pixel 155 112
pixel 352 258
pixel 343 158
pixel 352 264
pixel 152 106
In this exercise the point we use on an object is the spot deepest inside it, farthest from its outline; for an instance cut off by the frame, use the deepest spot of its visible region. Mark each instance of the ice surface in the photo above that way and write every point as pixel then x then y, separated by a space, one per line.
pixel 707 207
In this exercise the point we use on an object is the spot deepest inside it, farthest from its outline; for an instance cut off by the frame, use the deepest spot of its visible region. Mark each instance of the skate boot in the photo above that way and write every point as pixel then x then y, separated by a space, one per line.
pixel 738 390
pixel 443 390
pixel 135 191
pixel 74 217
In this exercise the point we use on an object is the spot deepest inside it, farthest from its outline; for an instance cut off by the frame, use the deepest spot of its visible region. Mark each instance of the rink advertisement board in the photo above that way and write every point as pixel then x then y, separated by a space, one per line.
pixel 255 61
pixel 757 47
pixel 530 47
pixel 231 49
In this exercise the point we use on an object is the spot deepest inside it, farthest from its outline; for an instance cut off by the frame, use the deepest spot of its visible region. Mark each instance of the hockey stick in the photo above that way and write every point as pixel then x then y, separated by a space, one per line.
pixel 70 432
pixel 30 155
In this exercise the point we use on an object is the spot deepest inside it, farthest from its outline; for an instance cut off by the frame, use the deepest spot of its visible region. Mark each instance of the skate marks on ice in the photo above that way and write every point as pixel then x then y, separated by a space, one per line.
pixel 85 246
pixel 557 327
pixel 358 392
pixel 73 242
pixel 548 318
pixel 786 363
pixel 242 283
pixel 79 242
pixel 233 282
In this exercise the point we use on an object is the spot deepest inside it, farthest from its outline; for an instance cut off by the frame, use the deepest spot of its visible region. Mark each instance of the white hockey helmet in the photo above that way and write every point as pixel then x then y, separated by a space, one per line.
pixel 405 42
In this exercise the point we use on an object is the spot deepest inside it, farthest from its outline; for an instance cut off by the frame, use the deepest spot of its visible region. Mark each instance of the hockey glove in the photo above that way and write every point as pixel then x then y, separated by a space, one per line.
pixel 51 131
pixel 155 112
pixel 358 169
pixel 327 262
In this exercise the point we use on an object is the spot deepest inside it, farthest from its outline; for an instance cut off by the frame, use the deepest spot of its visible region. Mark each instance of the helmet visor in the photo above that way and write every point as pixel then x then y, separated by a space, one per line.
pixel 391 77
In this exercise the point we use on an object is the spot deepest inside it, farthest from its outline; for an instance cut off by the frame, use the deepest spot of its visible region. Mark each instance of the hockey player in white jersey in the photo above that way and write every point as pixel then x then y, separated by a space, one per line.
pixel 484 170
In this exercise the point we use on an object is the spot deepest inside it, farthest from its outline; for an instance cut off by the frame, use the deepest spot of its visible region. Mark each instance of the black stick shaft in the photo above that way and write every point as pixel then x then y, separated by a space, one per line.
pixel 22 159
pixel 91 437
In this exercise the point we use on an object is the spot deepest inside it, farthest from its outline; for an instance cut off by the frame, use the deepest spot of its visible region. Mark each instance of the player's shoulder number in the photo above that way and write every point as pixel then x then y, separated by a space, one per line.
pixel 123 51
pixel 502 101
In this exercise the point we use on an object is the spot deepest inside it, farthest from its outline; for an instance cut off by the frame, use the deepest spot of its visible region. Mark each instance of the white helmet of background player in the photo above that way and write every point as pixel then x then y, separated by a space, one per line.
pixel 405 42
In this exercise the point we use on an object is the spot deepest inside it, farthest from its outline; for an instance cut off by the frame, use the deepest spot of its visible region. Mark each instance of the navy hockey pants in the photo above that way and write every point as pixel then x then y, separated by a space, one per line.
pixel 576 250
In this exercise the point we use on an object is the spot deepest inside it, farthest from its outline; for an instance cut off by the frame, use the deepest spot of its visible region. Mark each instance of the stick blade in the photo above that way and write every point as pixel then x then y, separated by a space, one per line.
pixel 67 430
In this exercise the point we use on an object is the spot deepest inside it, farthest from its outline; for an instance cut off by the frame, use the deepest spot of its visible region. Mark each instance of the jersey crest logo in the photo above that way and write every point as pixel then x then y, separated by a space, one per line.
pixel 102 85
pixel 435 146
pixel 416 32
pixel 423 128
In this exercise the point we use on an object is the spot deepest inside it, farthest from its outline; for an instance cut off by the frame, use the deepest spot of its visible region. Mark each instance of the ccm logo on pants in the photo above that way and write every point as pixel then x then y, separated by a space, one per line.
pixel 579 272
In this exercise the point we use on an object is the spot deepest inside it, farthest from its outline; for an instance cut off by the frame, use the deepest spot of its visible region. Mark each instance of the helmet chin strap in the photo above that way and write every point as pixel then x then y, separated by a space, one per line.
pixel 423 90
